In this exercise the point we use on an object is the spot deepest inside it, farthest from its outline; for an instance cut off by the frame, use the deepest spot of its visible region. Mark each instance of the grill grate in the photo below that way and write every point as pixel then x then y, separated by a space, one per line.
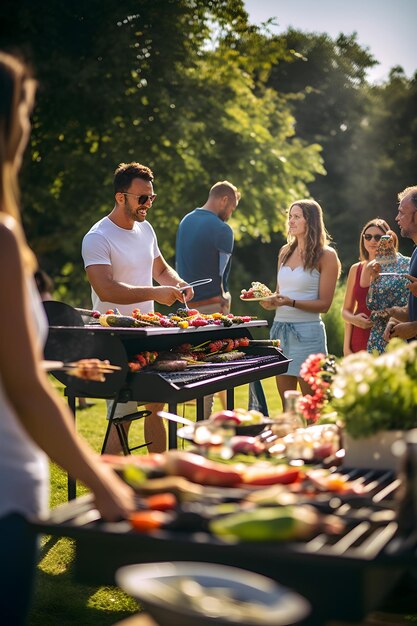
pixel 211 370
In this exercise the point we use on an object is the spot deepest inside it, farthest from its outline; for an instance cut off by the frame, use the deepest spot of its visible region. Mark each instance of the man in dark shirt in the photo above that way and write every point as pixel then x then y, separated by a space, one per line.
pixel 403 320
pixel 204 248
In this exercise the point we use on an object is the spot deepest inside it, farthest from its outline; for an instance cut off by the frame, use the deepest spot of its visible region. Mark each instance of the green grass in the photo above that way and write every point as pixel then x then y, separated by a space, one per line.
pixel 59 599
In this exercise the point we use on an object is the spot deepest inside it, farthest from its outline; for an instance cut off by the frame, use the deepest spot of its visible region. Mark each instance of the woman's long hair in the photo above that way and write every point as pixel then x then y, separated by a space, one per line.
pixel 384 227
pixel 16 85
pixel 316 235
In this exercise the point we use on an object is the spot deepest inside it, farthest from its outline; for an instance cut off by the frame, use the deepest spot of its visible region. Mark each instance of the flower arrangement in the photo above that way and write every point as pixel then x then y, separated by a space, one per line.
pixel 318 371
pixel 373 393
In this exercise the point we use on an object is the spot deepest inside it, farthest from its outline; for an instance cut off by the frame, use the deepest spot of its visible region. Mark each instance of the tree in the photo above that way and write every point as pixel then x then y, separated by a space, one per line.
pixel 139 81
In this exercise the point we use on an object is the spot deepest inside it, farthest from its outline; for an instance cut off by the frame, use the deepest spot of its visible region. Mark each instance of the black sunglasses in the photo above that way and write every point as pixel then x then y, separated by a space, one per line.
pixel 368 237
pixel 141 199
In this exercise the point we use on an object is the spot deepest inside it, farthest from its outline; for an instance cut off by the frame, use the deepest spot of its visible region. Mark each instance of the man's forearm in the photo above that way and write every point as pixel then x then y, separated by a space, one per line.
pixel 169 276
pixel 122 293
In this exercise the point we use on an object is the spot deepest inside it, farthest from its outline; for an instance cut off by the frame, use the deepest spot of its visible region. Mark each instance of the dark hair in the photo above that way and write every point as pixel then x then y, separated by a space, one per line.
pixel 316 237
pixel 126 172
pixel 377 223
pixel 224 188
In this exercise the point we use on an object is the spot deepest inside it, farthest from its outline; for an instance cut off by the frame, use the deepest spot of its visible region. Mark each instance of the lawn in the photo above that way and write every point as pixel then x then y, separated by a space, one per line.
pixel 58 598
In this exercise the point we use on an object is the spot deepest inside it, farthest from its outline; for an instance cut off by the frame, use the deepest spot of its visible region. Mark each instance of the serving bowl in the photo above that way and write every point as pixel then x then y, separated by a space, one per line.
pixel 206 594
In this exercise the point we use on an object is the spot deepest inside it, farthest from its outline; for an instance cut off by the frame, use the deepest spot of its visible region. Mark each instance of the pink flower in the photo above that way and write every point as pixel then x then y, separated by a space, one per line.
pixel 317 371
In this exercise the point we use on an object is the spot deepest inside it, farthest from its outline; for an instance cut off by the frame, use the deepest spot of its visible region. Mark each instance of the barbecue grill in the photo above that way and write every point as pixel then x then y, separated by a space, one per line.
pixel 343 576
pixel 74 340
pixel 71 339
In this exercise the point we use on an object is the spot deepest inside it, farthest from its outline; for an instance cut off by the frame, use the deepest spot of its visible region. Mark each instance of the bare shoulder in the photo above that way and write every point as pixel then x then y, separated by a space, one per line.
pixel 330 256
pixel 354 267
pixel 329 252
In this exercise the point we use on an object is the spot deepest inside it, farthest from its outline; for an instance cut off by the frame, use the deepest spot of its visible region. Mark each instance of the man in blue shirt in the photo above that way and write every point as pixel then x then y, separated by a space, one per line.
pixel 204 248
pixel 403 322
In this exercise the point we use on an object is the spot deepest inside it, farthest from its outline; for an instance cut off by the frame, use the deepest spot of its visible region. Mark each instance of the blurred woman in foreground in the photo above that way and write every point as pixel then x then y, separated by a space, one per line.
pixel 33 418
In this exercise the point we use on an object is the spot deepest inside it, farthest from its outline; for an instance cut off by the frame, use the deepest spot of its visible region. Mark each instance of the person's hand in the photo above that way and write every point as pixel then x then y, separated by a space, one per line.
pixel 225 301
pixel 389 328
pixel 188 294
pixel 404 330
pixel 167 295
pixel 114 499
pixel 395 311
pixel 374 269
pixel 269 303
pixel 361 320
pixel 412 285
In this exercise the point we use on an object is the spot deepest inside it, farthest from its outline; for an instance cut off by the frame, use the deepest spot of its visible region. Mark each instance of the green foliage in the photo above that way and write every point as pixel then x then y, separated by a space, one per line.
pixel 170 88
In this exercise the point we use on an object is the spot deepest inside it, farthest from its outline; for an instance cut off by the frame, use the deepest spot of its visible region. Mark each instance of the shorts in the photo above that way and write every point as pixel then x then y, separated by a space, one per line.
pixel 298 341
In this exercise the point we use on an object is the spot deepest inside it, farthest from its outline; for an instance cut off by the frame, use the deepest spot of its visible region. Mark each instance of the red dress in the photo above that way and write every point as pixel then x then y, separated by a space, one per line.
pixel 360 336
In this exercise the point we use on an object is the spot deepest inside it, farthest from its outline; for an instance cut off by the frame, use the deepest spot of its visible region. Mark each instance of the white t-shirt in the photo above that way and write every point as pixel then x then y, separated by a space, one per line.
pixel 131 254
pixel 24 469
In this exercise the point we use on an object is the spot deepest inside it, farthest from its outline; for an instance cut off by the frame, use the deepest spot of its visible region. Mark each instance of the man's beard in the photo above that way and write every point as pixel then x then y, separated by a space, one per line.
pixel 135 215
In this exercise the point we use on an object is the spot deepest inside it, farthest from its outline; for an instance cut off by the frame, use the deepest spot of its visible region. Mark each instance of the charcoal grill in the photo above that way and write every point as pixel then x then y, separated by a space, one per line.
pixel 72 340
pixel 343 576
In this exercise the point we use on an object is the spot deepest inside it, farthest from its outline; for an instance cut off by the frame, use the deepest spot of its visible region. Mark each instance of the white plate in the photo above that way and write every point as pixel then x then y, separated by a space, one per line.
pixel 256 299
pixel 156 586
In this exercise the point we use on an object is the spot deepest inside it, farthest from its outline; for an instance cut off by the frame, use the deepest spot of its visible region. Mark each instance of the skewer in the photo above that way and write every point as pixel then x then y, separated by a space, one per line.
pixel 86 312
pixel 96 365
pixel 74 368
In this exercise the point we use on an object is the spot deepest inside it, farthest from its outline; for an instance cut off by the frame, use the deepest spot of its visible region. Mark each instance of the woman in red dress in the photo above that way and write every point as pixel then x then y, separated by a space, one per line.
pixel 355 312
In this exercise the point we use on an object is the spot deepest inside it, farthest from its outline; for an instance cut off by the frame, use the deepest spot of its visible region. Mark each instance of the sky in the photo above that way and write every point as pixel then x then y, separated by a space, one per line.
pixel 386 27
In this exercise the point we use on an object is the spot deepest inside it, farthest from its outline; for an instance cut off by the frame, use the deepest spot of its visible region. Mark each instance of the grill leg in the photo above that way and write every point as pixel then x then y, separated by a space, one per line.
pixel 200 409
pixel 172 428
pixel 230 399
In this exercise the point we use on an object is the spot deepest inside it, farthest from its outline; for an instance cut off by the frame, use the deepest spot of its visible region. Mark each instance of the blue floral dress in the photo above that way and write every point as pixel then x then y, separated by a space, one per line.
pixel 384 292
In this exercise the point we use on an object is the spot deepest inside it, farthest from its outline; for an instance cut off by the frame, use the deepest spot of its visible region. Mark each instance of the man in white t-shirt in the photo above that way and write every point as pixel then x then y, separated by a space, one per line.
pixel 122 259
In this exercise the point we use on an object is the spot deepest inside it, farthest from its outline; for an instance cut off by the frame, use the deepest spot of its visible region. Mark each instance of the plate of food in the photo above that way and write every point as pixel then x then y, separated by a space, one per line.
pixel 240 421
pixel 256 293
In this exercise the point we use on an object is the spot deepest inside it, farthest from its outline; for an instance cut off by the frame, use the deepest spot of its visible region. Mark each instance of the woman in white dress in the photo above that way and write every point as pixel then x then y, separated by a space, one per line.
pixel 34 420
pixel 308 269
